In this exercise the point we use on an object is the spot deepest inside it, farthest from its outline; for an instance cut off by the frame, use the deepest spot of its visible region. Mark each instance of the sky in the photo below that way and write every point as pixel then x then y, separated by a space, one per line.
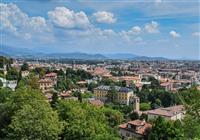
pixel 155 28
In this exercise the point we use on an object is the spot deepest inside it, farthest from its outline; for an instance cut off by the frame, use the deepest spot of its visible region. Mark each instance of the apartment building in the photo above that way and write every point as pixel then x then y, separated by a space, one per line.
pixel 124 95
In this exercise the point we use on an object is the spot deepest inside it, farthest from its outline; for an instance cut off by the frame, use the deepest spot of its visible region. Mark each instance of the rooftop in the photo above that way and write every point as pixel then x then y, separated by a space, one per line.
pixel 141 126
pixel 168 112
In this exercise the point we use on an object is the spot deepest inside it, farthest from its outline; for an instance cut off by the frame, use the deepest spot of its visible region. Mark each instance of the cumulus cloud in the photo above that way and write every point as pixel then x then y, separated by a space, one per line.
pixel 18 23
pixel 174 34
pixel 152 27
pixel 135 30
pixel 197 34
pixel 104 17
pixel 37 22
pixel 131 34
pixel 63 17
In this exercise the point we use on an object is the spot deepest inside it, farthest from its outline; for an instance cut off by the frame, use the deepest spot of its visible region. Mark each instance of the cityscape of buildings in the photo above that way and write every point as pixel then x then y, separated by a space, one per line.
pixel 100 70
pixel 133 75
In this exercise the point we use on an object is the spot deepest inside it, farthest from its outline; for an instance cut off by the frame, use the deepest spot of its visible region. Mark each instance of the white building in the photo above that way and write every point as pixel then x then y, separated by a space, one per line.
pixel 25 73
pixel 169 113
pixel 10 84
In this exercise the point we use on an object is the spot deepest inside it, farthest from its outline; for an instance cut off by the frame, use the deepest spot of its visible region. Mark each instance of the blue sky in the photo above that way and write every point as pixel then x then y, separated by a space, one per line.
pixel 164 28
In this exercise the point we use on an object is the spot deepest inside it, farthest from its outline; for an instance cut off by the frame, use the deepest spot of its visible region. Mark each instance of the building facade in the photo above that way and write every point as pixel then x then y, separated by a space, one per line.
pixel 124 95
pixel 46 85
pixel 137 129
pixel 169 113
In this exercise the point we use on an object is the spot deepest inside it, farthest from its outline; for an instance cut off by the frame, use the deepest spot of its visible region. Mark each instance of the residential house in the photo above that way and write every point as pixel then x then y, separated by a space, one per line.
pixel 137 129
pixel 169 113
pixel 52 76
pixel 167 86
pixel 12 84
pixel 46 85
pixel 25 73
pixel 96 103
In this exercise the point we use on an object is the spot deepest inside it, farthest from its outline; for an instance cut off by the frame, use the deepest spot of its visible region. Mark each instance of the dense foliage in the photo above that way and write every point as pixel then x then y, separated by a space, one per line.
pixel 26 114
pixel 83 121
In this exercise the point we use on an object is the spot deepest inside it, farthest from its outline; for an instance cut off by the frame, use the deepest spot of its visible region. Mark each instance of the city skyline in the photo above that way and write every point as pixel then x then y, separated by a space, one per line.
pixel 147 28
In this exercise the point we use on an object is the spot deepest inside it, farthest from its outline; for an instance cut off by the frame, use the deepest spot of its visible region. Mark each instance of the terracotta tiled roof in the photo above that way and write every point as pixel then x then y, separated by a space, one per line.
pixel 52 74
pixel 141 127
pixel 96 102
pixel 45 81
pixel 169 111
pixel 165 84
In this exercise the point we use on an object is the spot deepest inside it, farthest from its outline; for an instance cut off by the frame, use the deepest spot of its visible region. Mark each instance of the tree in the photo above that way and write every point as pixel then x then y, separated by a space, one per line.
pixel 113 117
pixel 154 82
pixel 1 84
pixel 40 71
pixel 80 97
pixel 61 84
pixel 54 99
pixel 145 106
pixel 144 117
pixel 83 121
pixel 191 100
pixel 134 116
pixel 12 74
pixel 24 67
pixel 27 106
pixel 35 121
pixel 91 86
pixel 5 94
pixel 31 80
pixel 164 130
pixel 112 95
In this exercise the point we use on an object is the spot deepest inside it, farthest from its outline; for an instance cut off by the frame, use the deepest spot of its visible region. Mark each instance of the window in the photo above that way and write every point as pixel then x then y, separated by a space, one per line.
pixel 127 134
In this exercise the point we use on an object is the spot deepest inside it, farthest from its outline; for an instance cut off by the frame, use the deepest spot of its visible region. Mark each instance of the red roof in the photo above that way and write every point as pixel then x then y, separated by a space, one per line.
pixel 45 81
pixel 52 74
pixel 96 102
pixel 141 126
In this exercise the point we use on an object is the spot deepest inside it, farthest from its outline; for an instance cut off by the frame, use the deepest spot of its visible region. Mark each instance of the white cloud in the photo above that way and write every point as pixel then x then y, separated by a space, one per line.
pixel 152 27
pixel 135 30
pixel 63 17
pixel 104 17
pixel 18 23
pixel 174 34
pixel 130 34
pixel 196 34
pixel 37 22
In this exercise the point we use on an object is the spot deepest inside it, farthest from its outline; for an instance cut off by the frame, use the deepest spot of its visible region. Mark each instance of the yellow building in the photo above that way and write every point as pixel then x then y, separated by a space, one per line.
pixel 124 95
pixel 46 85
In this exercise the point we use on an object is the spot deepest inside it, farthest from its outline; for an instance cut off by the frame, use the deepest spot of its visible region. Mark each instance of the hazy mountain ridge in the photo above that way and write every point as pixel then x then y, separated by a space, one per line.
pixel 28 53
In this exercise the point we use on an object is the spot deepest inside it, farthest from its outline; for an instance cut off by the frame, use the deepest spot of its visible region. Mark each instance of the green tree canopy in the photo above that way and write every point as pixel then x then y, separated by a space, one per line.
pixel 21 109
pixel 35 121
pixel 165 130
pixel 83 121
pixel 24 67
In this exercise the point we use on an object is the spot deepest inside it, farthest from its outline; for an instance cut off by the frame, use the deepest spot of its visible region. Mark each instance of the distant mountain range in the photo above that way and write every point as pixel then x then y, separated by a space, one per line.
pixel 28 53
